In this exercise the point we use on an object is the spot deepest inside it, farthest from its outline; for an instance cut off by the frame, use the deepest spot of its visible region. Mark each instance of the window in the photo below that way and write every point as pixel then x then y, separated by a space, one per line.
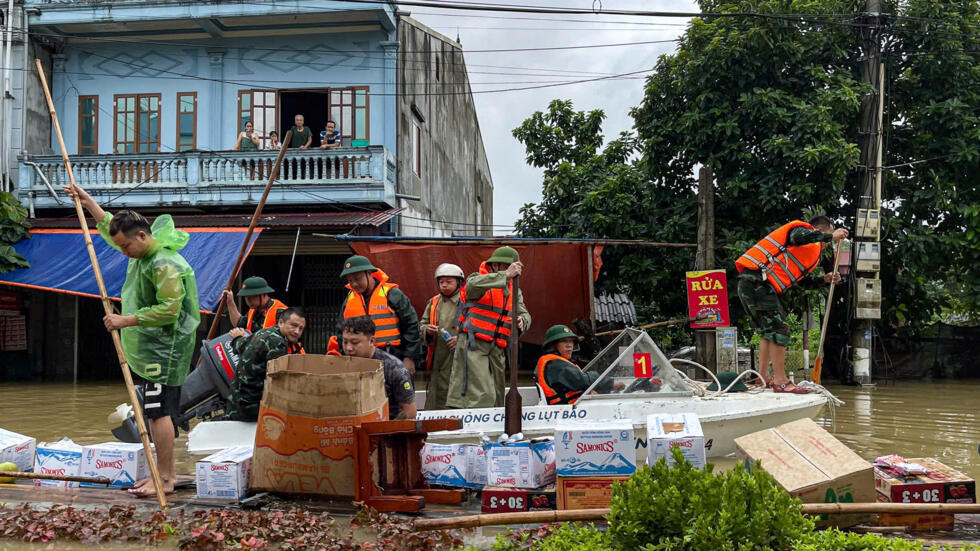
pixel 349 109
pixel 88 125
pixel 186 121
pixel 416 148
pixel 137 123
pixel 260 107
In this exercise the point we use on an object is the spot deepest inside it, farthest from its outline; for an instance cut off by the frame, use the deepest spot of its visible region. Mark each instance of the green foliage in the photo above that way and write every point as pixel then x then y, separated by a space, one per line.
pixel 844 541
pixel 563 537
pixel 772 105
pixel 684 508
pixel 13 228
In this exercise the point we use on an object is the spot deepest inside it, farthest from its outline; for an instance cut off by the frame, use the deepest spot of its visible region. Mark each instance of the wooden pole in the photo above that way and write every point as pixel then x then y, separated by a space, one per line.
pixel 576 515
pixel 116 341
pixel 59 477
pixel 248 236
pixel 704 339
pixel 512 403
pixel 676 321
pixel 818 363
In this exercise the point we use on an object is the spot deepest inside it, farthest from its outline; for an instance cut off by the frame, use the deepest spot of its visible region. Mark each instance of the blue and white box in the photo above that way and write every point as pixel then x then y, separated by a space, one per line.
pixel 122 463
pixel 595 448
pixel 63 457
pixel 526 464
pixel 224 475
pixel 17 449
pixel 678 430
pixel 457 465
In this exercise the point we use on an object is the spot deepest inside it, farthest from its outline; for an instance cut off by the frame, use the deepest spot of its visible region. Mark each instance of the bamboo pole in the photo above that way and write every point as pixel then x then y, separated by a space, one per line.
pixel 248 236
pixel 116 341
pixel 59 477
pixel 574 515
pixel 818 364
pixel 677 321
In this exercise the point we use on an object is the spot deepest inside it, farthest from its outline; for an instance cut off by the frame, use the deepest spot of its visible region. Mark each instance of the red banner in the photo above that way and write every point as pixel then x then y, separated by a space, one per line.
pixel 707 297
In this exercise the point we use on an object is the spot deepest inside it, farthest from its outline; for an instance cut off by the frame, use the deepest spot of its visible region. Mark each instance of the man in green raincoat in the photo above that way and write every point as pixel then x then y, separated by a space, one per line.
pixel 159 319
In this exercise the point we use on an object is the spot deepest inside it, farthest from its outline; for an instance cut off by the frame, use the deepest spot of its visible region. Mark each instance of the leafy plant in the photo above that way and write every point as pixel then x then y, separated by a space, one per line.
pixel 844 541
pixel 13 228
pixel 553 537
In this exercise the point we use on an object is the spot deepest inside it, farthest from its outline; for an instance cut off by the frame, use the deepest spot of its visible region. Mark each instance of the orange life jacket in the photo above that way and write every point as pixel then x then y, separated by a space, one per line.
pixel 333 346
pixel 550 394
pixel 270 315
pixel 488 318
pixel 781 265
pixel 386 331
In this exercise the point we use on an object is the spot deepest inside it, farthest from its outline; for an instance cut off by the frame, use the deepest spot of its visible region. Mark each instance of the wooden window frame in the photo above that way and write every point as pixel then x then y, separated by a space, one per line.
pixel 264 135
pixel 193 143
pixel 95 125
pixel 136 118
pixel 347 131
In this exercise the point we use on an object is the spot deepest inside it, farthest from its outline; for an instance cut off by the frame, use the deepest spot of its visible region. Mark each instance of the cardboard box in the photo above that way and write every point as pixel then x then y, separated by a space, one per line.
pixel 224 475
pixel 947 485
pixel 63 457
pixel 124 464
pixel 17 449
pixel 812 465
pixel 458 465
pixel 512 500
pixel 593 448
pixel 526 464
pixel 593 492
pixel 305 440
pixel 678 430
pixel 915 523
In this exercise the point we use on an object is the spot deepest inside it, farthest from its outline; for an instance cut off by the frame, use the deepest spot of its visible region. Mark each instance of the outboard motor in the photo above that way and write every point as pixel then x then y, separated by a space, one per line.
pixel 203 395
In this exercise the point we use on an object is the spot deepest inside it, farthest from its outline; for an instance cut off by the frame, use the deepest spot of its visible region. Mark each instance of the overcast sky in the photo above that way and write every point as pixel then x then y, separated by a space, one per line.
pixel 516 183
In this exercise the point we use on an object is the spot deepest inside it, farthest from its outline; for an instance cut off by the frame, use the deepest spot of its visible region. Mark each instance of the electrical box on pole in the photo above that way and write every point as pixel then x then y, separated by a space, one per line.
pixel 868 257
pixel 868 226
pixel 726 348
pixel 868 299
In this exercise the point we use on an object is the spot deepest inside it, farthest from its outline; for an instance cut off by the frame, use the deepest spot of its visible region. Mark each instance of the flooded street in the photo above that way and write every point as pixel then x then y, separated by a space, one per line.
pixel 909 418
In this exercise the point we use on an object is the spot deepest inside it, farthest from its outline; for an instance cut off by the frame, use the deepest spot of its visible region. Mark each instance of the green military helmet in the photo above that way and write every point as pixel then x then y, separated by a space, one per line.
pixel 357 263
pixel 557 333
pixel 504 255
pixel 255 285
pixel 726 378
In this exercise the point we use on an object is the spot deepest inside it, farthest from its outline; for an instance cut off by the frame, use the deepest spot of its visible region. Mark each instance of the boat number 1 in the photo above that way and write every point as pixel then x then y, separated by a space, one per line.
pixel 927 496
pixel 512 503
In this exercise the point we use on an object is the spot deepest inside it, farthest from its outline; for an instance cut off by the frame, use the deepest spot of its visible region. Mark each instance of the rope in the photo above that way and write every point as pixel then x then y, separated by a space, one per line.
pixel 832 401
pixel 706 392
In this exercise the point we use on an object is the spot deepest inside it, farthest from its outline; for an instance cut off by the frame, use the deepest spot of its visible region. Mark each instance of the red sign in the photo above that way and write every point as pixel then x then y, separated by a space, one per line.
pixel 642 365
pixel 504 501
pixel 707 297
pixel 10 300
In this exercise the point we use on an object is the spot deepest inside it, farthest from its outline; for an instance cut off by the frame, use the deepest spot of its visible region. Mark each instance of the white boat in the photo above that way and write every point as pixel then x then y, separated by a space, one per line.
pixel 724 416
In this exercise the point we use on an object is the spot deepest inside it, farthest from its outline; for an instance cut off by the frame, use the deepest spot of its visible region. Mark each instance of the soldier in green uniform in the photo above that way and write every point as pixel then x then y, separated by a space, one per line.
pixel 561 380
pixel 479 365
pixel 440 323
pixel 266 344
pixel 159 319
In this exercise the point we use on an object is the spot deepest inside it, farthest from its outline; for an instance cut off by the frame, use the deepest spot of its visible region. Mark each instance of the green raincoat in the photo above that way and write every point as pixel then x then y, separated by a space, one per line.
pixel 161 291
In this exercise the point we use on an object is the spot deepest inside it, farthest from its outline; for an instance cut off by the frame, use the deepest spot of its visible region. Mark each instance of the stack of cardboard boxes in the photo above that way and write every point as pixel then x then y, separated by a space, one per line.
pixel 590 457
pixel 941 484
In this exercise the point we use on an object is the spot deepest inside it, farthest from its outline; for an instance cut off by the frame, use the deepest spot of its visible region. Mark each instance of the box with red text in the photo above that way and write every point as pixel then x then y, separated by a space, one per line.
pixel 592 448
pixel 224 475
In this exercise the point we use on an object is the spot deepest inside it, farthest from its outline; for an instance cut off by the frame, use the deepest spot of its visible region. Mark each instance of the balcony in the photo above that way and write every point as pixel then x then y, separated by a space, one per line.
pixel 225 178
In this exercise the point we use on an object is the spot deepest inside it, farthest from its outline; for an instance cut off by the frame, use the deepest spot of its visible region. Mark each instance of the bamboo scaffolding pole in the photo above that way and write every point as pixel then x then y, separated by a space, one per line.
pixel 273 176
pixel 116 341
pixel 677 321
pixel 818 364
pixel 575 515
pixel 59 477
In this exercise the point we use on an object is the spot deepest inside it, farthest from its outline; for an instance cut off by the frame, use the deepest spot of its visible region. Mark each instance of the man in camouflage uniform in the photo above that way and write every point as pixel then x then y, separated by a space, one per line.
pixel 266 344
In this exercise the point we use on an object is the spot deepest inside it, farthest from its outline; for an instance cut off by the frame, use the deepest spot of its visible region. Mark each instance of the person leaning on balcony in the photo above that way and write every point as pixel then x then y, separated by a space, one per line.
pixel 274 143
pixel 302 136
pixel 330 137
pixel 248 140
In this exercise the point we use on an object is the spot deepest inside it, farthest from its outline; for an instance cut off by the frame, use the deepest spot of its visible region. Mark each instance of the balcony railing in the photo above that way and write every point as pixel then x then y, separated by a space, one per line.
pixel 364 174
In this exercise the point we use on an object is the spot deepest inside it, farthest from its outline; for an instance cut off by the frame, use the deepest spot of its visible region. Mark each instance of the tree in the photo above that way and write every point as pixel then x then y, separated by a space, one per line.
pixel 13 228
pixel 772 105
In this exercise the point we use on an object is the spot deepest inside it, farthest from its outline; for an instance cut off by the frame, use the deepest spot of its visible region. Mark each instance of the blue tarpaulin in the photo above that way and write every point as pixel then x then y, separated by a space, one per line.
pixel 59 262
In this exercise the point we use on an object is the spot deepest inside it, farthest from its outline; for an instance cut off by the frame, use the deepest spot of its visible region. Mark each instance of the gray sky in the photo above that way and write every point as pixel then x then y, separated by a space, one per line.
pixel 516 183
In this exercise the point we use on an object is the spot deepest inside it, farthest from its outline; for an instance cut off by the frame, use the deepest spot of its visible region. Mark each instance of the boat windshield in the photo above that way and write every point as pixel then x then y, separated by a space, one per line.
pixel 633 365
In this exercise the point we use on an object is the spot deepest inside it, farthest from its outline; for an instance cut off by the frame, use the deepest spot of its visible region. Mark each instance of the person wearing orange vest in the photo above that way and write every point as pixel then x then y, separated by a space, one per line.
pixel 262 309
pixel 561 380
pixel 487 303
pixel 440 323
pixel 395 320
pixel 782 259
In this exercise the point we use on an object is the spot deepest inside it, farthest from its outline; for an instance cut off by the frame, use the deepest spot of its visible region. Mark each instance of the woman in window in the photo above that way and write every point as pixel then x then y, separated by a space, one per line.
pixel 248 141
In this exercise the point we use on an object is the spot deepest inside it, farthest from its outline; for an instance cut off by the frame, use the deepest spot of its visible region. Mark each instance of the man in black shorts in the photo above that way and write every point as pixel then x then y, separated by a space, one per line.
pixel 358 335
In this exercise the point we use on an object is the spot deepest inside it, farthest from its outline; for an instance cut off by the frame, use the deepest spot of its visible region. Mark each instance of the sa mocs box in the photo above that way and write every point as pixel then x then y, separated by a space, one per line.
pixel 124 464
pixel 458 465
pixel 63 457
pixel 942 484
pixel 812 465
pixel 526 464
pixel 513 500
pixel 594 448
pixel 17 449
pixel 679 430
pixel 224 475
pixel 592 492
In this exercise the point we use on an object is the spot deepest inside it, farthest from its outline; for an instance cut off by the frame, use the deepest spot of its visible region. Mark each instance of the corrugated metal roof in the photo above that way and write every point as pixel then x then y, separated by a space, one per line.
pixel 336 220
pixel 615 308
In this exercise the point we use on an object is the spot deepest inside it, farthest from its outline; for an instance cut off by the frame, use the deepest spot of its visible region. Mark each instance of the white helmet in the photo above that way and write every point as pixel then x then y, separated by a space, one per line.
pixel 449 270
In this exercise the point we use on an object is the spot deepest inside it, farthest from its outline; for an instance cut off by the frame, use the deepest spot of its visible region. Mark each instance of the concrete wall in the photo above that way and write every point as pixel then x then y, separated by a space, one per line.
pixel 455 184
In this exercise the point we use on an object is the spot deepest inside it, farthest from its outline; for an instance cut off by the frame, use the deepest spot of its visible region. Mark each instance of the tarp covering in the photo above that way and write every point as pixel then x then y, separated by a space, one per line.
pixel 555 283
pixel 59 262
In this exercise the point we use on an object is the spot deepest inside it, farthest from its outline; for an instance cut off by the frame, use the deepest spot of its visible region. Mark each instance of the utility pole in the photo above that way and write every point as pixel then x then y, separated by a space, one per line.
pixel 866 247
pixel 704 339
